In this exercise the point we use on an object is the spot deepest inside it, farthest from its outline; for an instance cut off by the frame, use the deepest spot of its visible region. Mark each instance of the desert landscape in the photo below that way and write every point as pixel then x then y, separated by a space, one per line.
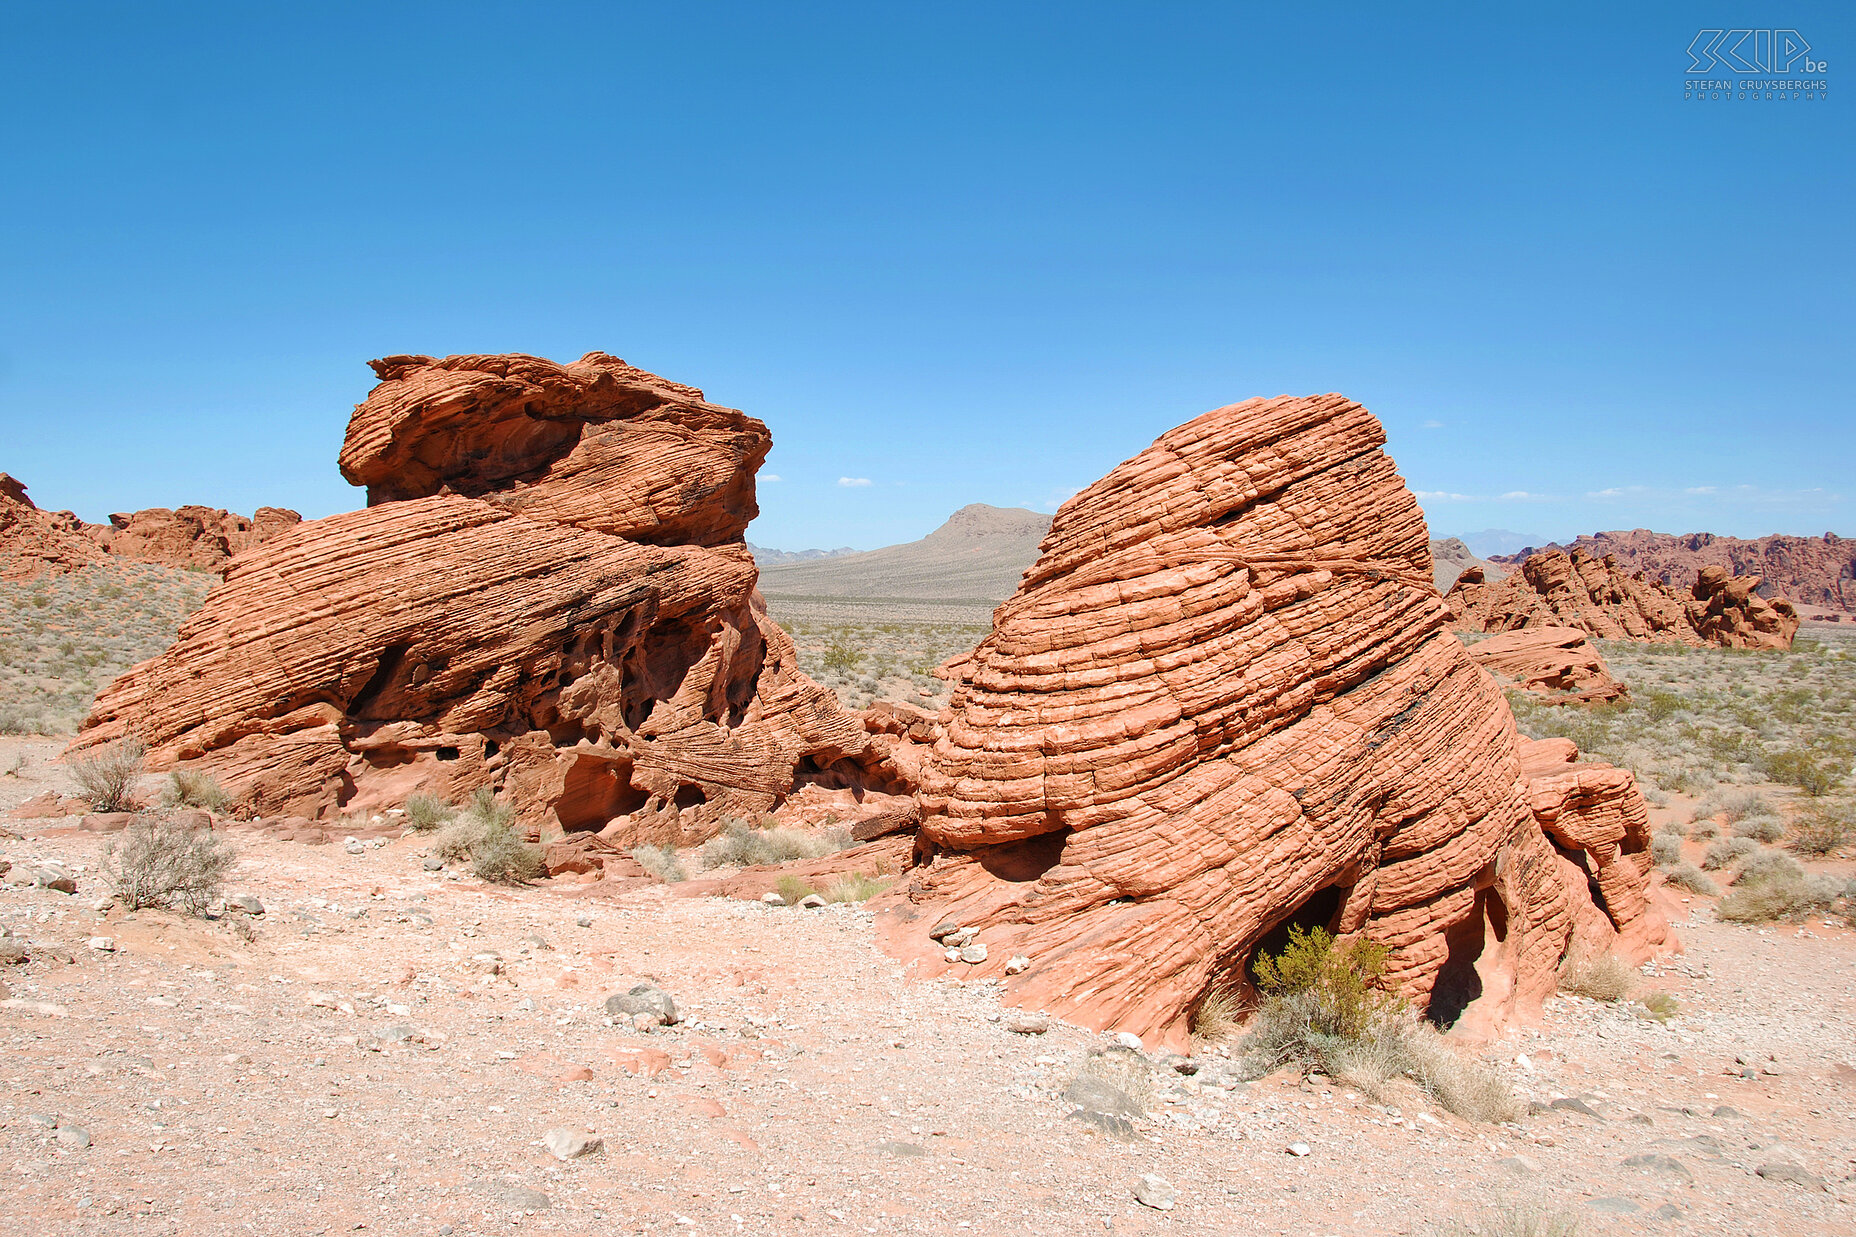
pixel 1183 862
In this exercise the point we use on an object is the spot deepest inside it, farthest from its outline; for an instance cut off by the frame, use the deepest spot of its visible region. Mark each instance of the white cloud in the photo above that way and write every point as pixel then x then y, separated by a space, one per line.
pixel 1433 425
pixel 1700 489
pixel 1442 496
pixel 1610 492
pixel 770 476
pixel 853 481
pixel 1520 496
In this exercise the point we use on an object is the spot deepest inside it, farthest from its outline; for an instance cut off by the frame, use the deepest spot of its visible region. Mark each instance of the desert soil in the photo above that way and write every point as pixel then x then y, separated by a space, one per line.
pixel 389 1049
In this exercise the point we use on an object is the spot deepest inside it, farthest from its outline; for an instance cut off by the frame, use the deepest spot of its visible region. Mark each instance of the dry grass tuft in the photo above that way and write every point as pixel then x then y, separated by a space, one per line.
pixel 661 862
pixel 1599 977
pixel 741 845
pixel 856 887
pixel 425 813
pixel 165 863
pixel 1218 1016
pixel 195 790
pixel 1513 1220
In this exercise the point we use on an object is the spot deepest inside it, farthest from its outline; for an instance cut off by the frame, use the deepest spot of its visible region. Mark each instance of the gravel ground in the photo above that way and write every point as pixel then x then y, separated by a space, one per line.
pixel 390 1046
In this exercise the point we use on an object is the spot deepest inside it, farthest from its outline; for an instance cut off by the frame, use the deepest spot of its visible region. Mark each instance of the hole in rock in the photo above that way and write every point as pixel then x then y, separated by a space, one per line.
pixel 690 796
pixel 446 753
pixel 378 696
pixel 1321 910
pixel 1025 860
pixel 1460 980
pixel 491 747
pixel 593 791
pixel 1583 861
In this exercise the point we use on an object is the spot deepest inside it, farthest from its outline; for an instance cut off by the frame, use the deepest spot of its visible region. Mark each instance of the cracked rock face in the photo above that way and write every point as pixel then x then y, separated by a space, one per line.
pixel 1227 699
pixel 548 594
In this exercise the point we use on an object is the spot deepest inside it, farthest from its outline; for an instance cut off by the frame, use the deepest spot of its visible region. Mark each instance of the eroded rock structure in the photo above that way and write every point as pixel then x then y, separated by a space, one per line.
pixel 35 542
pixel 1556 663
pixel 1813 571
pixel 1603 599
pixel 1227 699
pixel 548 594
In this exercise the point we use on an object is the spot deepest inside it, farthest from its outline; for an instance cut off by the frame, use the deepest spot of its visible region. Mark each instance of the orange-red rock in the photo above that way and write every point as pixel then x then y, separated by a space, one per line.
pixel 35 542
pixel 549 596
pixel 1814 571
pixel 1226 699
pixel 1599 597
pixel 1557 663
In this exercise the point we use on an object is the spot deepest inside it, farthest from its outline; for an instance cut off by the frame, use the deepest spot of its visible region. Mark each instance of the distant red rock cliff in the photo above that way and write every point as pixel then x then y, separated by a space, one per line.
pixel 1812 571
pixel 35 542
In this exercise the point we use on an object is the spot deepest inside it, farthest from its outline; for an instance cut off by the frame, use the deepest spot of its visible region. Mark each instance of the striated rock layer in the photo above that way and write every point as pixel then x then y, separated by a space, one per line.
pixel 548 595
pixel 1813 571
pixel 1557 663
pixel 1227 699
pixel 1599 597
pixel 35 542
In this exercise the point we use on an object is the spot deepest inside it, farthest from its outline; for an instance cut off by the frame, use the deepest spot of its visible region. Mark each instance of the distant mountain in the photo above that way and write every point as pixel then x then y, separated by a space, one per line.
pixel 1814 571
pixel 978 555
pixel 1492 541
pixel 1450 558
pixel 763 557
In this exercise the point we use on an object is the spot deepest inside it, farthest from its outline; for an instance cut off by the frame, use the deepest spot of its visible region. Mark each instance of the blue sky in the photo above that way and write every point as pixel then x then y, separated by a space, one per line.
pixel 966 253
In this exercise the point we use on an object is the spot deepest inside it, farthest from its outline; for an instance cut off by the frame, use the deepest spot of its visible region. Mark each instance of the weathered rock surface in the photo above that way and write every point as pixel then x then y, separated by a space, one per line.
pixel 1225 699
pixel 35 542
pixel 1450 558
pixel 1557 663
pixel 1599 597
pixel 1812 571
pixel 549 596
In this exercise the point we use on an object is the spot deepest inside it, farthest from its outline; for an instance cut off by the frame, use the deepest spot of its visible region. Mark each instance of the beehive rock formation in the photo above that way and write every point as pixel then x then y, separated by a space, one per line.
pixel 1557 663
pixel 548 595
pixel 1227 698
pixel 35 542
pixel 1599 597
pixel 1813 571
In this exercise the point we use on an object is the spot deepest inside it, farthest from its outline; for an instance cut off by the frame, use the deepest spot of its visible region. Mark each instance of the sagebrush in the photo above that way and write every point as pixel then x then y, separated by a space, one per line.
pixel 107 779
pixel 165 863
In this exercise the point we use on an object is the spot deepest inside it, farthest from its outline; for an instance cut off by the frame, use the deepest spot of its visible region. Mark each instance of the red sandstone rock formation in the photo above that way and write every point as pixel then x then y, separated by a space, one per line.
pixel 1227 699
pixel 1600 598
pixel 1812 571
pixel 549 595
pixel 34 542
pixel 1557 663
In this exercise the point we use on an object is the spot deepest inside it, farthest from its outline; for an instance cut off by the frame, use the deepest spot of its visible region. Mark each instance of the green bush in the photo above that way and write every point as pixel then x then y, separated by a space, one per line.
pixel 1666 848
pixel 855 887
pixel 1660 1006
pixel 1343 983
pixel 1823 829
pixel 424 813
pixel 792 888
pixel 186 788
pixel 1814 772
pixel 504 858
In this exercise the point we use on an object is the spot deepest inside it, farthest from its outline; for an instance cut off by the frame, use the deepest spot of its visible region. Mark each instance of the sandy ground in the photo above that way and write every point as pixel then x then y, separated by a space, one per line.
pixel 388 1051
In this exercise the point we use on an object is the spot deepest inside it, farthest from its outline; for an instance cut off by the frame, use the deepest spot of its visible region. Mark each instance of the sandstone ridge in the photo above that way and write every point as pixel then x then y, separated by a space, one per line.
pixel 548 595
pixel 1812 571
pixel 1226 699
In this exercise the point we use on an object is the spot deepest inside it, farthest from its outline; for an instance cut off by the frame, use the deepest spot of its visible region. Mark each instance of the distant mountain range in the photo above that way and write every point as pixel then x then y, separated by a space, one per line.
pixel 1492 541
pixel 763 557
pixel 978 555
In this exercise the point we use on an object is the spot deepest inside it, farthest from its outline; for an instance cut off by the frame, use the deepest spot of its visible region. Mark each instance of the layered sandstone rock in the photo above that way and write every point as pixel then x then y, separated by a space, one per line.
pixel 1599 597
pixel 1557 663
pixel 34 542
pixel 1813 571
pixel 1226 699
pixel 548 595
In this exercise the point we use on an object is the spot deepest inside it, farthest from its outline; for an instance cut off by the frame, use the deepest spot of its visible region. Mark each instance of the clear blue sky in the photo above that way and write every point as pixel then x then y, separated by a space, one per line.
pixel 968 253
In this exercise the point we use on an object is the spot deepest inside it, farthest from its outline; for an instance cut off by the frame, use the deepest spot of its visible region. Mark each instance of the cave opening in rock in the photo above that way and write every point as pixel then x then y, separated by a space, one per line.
pixel 1583 861
pixel 593 791
pixel 1459 982
pixel 689 796
pixel 1320 910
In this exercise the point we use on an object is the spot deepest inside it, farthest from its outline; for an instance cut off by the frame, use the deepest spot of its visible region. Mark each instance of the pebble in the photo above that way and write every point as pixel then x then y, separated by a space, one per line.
pixel 245 902
pixel 771 898
pixel 75 1136
pixel 1017 964
pixel 1128 1039
pixel 644 999
pixel 974 953
pixel 102 944
pixel 943 930
pixel 433 864
pixel 564 1143
pixel 1298 1148
pixel 1154 1191
pixel 585 921
pixel 1022 1023
pixel 811 902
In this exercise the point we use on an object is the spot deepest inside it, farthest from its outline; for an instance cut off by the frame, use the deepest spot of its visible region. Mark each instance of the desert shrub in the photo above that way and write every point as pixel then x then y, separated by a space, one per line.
pixel 1823 829
pixel 185 788
pixel 1513 1220
pixel 1666 848
pixel 485 810
pixel 1779 897
pixel 1218 1015
pixel 855 887
pixel 742 845
pixel 108 778
pixel 1814 772
pixel 1760 828
pixel 840 657
pixel 502 857
pixel 166 863
pixel 1702 830
pixel 1660 1006
pixel 1689 877
pixel 661 862
pixel 1687 780
pixel 1727 852
pixel 1344 982
pixel 793 888
pixel 1655 797
pixel 1600 977
pixel 424 813
pixel 458 841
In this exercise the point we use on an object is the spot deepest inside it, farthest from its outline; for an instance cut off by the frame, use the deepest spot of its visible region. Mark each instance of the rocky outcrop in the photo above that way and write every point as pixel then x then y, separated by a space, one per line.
pixel 1599 597
pixel 1556 663
pixel 34 542
pixel 1812 571
pixel 548 595
pixel 1225 700
pixel 1450 558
